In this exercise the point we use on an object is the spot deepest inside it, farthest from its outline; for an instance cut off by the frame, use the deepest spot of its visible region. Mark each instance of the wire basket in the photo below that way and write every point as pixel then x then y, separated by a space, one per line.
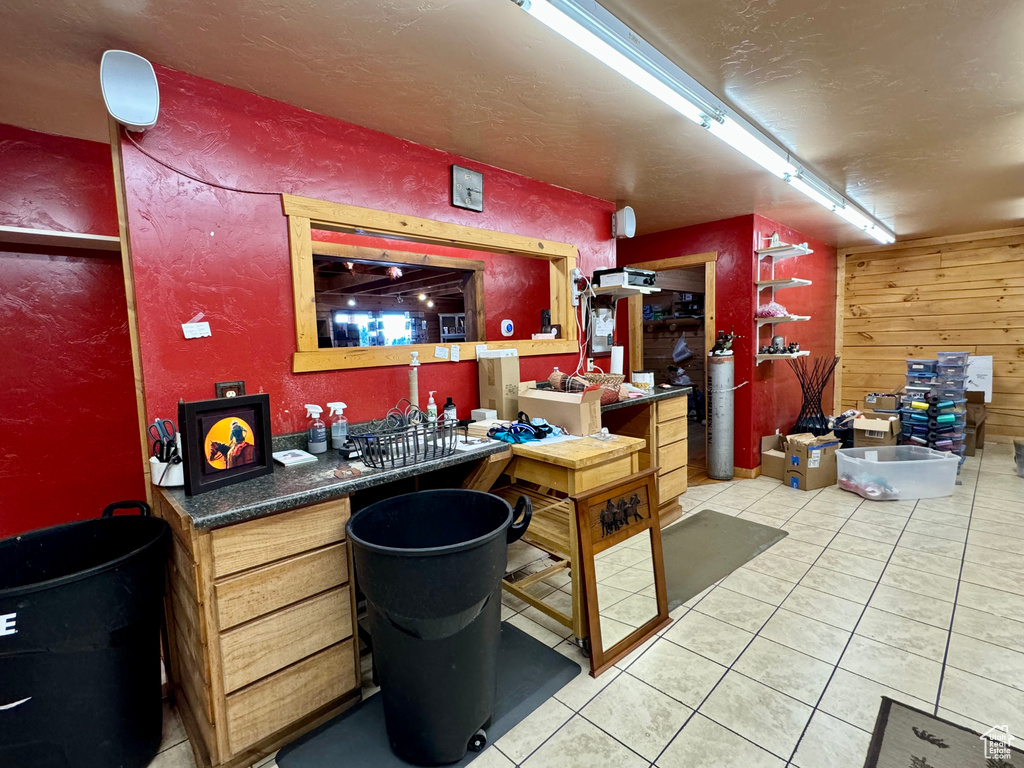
pixel 406 438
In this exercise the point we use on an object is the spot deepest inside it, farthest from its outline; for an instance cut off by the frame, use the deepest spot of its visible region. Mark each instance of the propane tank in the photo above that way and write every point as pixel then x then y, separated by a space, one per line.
pixel 721 396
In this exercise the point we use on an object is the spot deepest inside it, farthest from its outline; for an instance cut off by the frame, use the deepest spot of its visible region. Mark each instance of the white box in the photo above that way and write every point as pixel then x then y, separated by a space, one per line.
pixel 483 414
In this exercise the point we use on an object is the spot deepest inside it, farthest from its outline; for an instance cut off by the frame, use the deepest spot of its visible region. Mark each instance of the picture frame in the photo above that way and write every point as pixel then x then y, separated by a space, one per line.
pixel 224 441
pixel 596 533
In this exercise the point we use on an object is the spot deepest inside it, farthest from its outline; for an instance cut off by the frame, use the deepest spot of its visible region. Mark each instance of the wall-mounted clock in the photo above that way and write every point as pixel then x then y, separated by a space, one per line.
pixel 467 188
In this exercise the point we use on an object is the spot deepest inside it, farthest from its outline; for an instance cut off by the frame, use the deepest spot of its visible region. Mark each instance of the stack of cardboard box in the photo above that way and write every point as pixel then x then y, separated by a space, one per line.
pixel 801 461
pixel 974 433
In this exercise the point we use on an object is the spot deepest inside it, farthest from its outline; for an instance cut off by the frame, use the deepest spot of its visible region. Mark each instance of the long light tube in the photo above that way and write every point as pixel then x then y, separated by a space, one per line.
pixel 590 27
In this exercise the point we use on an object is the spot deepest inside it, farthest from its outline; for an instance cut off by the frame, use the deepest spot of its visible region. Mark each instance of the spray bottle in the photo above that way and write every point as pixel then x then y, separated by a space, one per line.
pixel 317 432
pixel 339 425
pixel 432 408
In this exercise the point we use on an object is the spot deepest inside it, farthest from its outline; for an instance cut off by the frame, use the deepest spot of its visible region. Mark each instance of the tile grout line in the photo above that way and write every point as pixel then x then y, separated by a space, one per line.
pixel 956 596
pixel 849 640
pixel 729 668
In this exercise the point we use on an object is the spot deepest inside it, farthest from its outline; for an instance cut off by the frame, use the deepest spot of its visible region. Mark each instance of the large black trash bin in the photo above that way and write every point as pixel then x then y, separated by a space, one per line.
pixel 430 565
pixel 80 611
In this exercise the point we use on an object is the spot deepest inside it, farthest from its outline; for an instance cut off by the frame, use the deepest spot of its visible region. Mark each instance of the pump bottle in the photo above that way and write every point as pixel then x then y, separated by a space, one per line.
pixel 317 431
pixel 449 412
pixel 432 408
pixel 339 425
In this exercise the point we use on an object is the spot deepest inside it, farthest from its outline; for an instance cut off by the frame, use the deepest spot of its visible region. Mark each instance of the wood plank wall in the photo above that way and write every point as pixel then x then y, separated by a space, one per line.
pixel 915 298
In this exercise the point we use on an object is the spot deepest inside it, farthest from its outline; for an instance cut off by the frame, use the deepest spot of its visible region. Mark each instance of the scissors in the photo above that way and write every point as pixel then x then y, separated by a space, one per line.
pixel 163 433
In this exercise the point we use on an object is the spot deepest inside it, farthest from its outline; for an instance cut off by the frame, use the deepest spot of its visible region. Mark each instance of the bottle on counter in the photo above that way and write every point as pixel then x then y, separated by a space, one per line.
pixel 432 408
pixel 450 416
pixel 317 432
pixel 339 425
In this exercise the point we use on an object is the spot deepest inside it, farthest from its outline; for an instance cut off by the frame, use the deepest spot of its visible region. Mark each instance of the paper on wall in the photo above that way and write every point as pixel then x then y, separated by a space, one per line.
pixel 979 375
pixel 441 352
pixel 455 353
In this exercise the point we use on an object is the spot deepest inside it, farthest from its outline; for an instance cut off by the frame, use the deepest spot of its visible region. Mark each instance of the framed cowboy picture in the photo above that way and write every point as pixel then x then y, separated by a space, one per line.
pixel 225 441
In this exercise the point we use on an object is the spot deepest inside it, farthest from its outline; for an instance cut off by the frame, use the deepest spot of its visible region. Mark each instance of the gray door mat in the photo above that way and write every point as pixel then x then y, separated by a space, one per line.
pixel 529 673
pixel 708 546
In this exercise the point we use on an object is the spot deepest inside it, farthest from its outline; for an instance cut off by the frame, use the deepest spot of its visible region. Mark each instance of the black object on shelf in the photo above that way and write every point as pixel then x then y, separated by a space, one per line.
pixel 430 565
pixel 80 612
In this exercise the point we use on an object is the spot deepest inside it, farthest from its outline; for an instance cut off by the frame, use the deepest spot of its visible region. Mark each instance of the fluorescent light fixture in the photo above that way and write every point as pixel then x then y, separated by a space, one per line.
pixel 592 28
pixel 769 157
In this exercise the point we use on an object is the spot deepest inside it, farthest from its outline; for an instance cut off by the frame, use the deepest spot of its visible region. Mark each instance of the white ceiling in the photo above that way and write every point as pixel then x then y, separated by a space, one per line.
pixel 913 107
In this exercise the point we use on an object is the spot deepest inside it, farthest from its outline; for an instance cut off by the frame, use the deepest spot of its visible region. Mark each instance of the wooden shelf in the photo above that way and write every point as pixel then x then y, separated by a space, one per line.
pixel 785 251
pixel 679 322
pixel 787 356
pixel 784 319
pixel 26 236
pixel 616 292
pixel 778 285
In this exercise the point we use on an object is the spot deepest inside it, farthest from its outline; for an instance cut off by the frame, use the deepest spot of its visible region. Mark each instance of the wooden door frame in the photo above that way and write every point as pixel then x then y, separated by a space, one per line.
pixel 636 307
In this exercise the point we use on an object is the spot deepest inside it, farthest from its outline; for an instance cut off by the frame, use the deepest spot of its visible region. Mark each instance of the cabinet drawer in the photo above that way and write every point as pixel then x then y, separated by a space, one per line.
pixel 247 545
pixel 279 700
pixel 267 589
pixel 676 408
pixel 271 643
pixel 671 485
pixel 672 456
pixel 673 431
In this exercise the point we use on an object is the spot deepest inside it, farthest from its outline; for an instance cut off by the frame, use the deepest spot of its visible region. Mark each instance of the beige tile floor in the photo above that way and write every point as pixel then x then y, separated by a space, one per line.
pixel 782 662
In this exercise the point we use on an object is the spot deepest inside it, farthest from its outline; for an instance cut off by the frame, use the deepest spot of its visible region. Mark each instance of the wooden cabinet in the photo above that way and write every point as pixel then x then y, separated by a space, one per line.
pixel 262 628
pixel 665 427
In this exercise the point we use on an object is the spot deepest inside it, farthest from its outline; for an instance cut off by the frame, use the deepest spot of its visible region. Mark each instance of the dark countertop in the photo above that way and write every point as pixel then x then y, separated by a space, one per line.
pixel 658 394
pixel 303 484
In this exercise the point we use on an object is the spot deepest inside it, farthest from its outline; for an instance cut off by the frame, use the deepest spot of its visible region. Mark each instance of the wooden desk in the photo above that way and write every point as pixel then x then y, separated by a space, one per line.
pixel 561 471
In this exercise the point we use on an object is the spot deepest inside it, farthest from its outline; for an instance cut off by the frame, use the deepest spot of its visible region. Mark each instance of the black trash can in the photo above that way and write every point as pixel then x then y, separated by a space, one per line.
pixel 80 612
pixel 430 565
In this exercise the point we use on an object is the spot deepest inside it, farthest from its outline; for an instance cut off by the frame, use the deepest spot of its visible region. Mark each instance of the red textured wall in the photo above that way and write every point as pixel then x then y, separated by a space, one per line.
pixel 68 429
pixel 777 396
pixel 196 248
pixel 772 398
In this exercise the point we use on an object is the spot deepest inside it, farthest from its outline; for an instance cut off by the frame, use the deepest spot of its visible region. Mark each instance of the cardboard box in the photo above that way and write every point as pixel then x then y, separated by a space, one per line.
pixel 499 382
pixel 975 408
pixel 974 437
pixel 773 456
pixel 577 414
pixel 868 432
pixel 811 461
pixel 879 403
pixel 970 440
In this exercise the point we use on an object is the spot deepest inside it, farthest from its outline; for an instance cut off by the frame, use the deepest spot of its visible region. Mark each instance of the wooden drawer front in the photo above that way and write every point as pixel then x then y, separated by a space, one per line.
pixel 279 700
pixel 266 645
pixel 671 485
pixel 541 473
pixel 673 431
pixel 610 471
pixel 677 408
pixel 672 456
pixel 246 545
pixel 267 589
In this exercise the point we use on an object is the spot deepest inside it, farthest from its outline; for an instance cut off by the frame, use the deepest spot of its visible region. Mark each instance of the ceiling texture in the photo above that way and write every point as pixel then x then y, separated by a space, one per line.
pixel 913 108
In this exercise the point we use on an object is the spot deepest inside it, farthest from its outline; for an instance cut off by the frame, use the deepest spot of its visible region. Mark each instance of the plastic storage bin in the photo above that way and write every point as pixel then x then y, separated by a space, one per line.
pixel 953 358
pixel 921 366
pixel 951 370
pixel 894 472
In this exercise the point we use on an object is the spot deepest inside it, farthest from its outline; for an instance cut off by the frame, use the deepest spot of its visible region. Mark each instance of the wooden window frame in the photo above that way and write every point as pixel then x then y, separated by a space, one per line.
pixel 304 214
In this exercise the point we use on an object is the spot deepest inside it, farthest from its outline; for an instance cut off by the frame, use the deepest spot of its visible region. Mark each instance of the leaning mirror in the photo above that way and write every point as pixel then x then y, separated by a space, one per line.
pixel 622 567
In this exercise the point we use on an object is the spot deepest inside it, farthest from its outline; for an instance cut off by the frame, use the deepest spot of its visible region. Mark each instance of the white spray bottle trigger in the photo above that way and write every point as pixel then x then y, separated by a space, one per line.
pixel 313 411
pixel 337 409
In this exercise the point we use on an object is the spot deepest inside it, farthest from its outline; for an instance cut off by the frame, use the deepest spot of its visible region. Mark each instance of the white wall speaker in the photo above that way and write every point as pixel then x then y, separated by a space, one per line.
pixel 624 222
pixel 130 90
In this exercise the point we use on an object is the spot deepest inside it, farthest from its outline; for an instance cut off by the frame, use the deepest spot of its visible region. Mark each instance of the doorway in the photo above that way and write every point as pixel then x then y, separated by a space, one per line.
pixel 670 334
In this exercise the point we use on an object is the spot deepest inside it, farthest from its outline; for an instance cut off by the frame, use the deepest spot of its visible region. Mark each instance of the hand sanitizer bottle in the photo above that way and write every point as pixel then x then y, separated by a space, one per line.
pixel 317 429
pixel 432 408
pixel 339 425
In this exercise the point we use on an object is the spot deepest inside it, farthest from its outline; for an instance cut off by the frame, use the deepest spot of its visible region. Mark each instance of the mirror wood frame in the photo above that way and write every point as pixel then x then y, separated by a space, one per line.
pixel 601 658
pixel 304 214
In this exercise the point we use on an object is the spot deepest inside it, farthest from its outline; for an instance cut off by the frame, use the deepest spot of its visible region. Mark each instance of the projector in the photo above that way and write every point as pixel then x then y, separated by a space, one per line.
pixel 623 276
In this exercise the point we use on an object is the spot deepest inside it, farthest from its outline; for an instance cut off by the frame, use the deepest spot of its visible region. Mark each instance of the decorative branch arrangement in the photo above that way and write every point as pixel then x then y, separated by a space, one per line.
pixel 813 377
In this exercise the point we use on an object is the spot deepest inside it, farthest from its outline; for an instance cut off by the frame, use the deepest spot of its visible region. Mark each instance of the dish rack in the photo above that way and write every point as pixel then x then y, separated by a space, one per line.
pixel 405 438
